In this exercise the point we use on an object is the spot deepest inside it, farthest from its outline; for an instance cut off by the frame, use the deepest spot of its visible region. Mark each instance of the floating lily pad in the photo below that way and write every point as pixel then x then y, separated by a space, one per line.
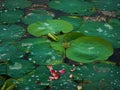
pixel 11 32
pixel 36 80
pixel 40 51
pixel 107 4
pixel 75 21
pixel 50 26
pixel 9 52
pixel 100 76
pixel 76 7
pixel 108 31
pixel 18 68
pixel 9 17
pixel 89 49
pixel 13 4
pixel 37 15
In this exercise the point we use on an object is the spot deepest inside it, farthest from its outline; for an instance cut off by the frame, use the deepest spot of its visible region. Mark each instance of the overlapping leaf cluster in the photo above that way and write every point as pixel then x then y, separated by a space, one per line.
pixel 31 41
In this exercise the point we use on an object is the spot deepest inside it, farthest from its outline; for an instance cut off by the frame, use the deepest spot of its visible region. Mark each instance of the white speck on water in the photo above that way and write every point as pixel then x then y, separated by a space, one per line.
pixel 33 76
pixel 53 58
pixel 6 10
pixel 99 30
pixel 4 29
pixel 118 4
pixel 21 56
pixel 27 88
pixel 48 60
pixel 38 79
pixel 86 31
pixel 2 55
pixel 41 28
pixel 49 53
pixel 90 48
pixel 108 26
pixel 37 76
pixel 29 59
pixel 46 24
pixel 16 66
pixel 30 14
pixel 26 44
pixel 93 74
pixel 34 61
pixel 29 80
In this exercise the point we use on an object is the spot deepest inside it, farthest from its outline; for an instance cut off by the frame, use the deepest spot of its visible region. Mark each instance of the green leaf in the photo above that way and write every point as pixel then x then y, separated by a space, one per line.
pixel 37 15
pixel 98 76
pixel 11 32
pixel 8 52
pixel 107 5
pixel 10 16
pixel 74 20
pixel 36 80
pixel 64 82
pixel 13 4
pixel 39 51
pixel 88 49
pixel 18 68
pixel 77 7
pixel 108 31
pixel 50 26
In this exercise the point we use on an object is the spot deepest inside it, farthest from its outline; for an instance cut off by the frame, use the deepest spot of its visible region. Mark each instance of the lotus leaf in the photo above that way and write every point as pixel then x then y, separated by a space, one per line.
pixel 40 51
pixel 18 68
pixel 36 80
pixel 13 4
pixel 50 26
pixel 8 51
pixel 37 15
pixel 88 49
pixel 75 21
pixel 107 4
pixel 76 7
pixel 11 32
pixel 99 76
pixel 10 16
pixel 108 31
